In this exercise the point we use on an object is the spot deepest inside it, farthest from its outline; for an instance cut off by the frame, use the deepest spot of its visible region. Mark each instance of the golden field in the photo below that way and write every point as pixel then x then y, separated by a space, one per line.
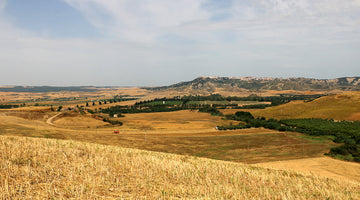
pixel 343 106
pixel 33 168
pixel 182 132
pixel 169 155
pixel 324 166
pixel 178 120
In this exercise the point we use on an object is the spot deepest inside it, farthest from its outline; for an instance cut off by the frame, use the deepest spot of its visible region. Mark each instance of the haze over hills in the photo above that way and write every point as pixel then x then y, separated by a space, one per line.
pixel 204 84
pixel 35 89
pixel 212 84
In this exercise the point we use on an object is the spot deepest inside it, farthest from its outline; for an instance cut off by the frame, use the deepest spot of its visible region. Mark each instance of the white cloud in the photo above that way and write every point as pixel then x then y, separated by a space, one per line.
pixel 283 21
pixel 262 38
pixel 139 20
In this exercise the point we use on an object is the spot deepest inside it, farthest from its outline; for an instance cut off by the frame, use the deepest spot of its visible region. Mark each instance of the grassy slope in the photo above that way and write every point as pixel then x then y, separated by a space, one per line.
pixel 247 145
pixel 341 107
pixel 42 168
pixel 324 166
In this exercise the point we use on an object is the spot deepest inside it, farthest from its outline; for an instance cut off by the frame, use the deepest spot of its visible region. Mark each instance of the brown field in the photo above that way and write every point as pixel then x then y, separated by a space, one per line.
pixel 33 168
pixel 79 122
pixel 182 132
pixel 187 133
pixel 195 138
pixel 324 166
pixel 80 97
pixel 179 120
pixel 341 107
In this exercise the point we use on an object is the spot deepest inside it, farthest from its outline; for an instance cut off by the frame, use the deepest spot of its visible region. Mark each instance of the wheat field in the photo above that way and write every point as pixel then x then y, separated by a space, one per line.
pixel 37 168
pixel 343 106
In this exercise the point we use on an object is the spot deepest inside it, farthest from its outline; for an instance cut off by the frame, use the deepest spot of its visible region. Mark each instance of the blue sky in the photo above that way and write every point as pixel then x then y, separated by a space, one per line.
pixel 149 43
pixel 52 18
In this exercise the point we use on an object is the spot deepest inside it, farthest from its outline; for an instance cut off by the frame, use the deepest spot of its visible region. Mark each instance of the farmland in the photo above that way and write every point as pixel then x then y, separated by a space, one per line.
pixel 339 107
pixel 183 131
pixel 44 168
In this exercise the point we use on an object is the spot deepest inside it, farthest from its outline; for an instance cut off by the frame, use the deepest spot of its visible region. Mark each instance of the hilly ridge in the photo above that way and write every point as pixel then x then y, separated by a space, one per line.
pixel 213 84
pixel 339 107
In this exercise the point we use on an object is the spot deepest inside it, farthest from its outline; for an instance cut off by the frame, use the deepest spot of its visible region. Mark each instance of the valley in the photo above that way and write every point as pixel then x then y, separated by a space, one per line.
pixel 187 125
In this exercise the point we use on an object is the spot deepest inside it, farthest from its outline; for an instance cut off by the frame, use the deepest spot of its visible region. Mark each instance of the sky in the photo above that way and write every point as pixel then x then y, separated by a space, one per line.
pixel 162 42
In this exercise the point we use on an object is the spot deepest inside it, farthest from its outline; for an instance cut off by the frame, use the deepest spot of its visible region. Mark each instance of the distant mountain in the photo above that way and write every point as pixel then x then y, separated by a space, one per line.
pixel 36 89
pixel 212 84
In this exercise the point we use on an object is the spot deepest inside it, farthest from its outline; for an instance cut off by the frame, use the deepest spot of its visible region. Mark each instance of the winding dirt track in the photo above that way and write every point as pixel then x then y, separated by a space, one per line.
pixel 51 119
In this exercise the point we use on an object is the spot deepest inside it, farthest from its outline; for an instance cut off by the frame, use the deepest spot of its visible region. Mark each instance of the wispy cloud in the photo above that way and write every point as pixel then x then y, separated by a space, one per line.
pixel 161 42
pixel 259 20
pixel 139 20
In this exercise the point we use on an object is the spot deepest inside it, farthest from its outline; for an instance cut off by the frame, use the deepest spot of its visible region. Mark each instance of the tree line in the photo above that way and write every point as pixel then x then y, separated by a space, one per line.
pixel 345 132
pixel 5 106
pixel 106 101
pixel 275 100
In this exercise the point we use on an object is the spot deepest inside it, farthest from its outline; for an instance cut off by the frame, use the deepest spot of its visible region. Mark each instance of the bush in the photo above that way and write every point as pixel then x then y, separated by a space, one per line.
pixel 211 110
pixel 113 122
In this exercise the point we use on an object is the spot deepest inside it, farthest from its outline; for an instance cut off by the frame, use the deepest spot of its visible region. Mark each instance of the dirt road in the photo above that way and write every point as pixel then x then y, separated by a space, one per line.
pixel 51 119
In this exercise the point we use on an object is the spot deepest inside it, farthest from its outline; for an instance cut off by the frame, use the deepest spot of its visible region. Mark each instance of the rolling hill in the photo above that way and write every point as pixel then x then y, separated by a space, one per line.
pixel 208 85
pixel 36 168
pixel 344 106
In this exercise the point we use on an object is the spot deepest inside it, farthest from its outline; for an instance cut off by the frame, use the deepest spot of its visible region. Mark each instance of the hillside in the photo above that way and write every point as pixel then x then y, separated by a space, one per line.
pixel 207 85
pixel 344 106
pixel 42 168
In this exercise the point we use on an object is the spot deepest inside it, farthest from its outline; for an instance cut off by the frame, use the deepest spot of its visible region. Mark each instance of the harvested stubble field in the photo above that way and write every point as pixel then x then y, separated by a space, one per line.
pixel 170 121
pixel 340 107
pixel 79 122
pixel 160 132
pixel 33 168
pixel 324 166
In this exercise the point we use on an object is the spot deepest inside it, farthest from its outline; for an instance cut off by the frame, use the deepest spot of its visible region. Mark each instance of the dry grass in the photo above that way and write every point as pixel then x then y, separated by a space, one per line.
pixel 32 168
pixel 79 122
pixel 247 145
pixel 341 107
pixel 179 120
pixel 100 93
pixel 324 166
